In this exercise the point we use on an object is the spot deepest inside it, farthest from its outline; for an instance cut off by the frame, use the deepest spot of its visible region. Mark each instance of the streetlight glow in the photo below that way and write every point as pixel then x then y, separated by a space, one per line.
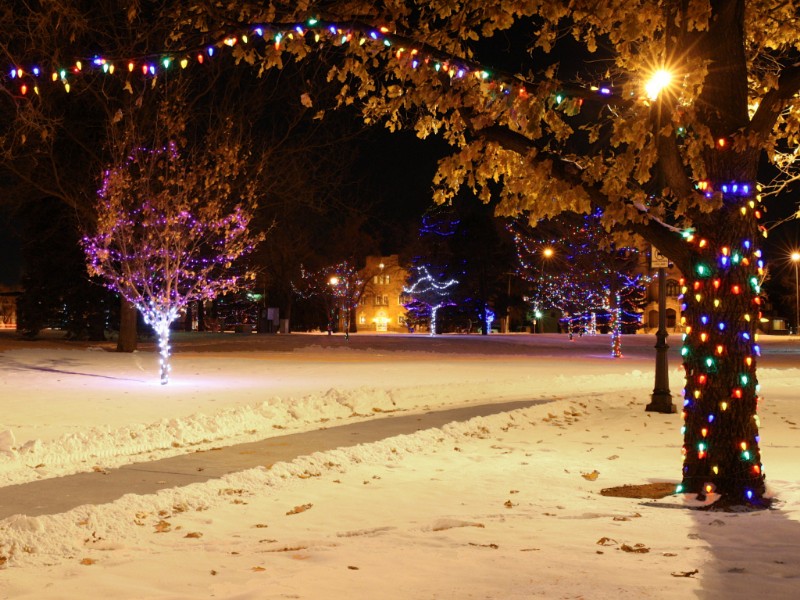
pixel 548 252
pixel 658 82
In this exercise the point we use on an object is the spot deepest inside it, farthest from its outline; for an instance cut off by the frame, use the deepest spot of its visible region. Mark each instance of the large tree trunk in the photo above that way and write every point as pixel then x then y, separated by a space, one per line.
pixel 127 340
pixel 721 311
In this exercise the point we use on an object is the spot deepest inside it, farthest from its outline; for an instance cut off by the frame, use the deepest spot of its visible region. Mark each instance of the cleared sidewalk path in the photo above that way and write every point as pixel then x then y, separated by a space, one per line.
pixel 60 494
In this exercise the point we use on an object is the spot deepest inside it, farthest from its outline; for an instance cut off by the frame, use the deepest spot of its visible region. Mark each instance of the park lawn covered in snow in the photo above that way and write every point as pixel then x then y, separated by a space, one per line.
pixel 505 506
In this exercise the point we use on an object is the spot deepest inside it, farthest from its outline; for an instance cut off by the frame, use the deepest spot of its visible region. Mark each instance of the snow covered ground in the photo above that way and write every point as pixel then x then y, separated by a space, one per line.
pixel 503 507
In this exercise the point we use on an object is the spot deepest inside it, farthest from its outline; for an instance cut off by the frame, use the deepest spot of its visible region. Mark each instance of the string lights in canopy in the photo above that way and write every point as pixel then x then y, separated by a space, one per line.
pixel 29 79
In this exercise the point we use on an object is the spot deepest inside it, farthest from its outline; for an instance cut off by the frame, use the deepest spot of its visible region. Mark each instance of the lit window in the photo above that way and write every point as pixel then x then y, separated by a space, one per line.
pixel 673 287
pixel 362 319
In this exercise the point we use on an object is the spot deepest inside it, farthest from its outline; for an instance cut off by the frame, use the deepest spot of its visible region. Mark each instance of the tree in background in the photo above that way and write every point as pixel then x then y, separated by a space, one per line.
pixel 173 222
pixel 464 242
pixel 426 295
pixel 431 260
pixel 339 287
pixel 56 292
pixel 573 265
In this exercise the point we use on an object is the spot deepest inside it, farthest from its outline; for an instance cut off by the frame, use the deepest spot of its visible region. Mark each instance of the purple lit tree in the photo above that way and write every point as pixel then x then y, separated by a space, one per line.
pixel 171 226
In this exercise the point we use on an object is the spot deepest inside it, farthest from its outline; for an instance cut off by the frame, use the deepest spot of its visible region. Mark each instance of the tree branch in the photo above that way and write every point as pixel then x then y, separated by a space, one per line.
pixel 775 101
pixel 658 234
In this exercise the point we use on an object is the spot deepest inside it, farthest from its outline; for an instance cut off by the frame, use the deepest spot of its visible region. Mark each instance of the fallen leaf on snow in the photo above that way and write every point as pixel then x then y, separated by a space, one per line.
pixel 193 534
pixel 685 573
pixel 590 476
pixel 604 541
pixel 637 548
pixel 258 569
pixel 299 509
pixel 163 526
pixel 88 561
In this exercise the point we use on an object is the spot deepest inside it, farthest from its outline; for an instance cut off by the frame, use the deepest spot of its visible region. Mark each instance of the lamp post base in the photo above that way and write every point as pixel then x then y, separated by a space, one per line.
pixel 661 402
pixel 661 399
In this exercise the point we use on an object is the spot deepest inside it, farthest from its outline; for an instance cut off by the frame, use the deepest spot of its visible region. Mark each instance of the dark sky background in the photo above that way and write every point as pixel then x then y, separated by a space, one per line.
pixel 398 171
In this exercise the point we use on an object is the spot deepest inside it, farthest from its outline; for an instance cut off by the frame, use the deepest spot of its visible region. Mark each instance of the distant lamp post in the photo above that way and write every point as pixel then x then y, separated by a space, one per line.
pixel 547 253
pixel 333 281
pixel 537 315
pixel 661 399
pixel 796 259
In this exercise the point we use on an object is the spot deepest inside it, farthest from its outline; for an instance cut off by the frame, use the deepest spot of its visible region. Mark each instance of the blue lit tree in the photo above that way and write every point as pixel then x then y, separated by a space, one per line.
pixel 432 264
pixel 574 267
pixel 426 295
pixel 462 242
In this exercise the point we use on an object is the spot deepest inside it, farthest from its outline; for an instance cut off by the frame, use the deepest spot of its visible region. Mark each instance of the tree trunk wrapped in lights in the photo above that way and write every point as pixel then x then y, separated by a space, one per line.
pixel 171 226
pixel 721 311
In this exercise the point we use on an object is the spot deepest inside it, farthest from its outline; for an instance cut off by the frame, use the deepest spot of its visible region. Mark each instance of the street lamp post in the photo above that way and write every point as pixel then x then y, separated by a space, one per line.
pixel 796 259
pixel 661 399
